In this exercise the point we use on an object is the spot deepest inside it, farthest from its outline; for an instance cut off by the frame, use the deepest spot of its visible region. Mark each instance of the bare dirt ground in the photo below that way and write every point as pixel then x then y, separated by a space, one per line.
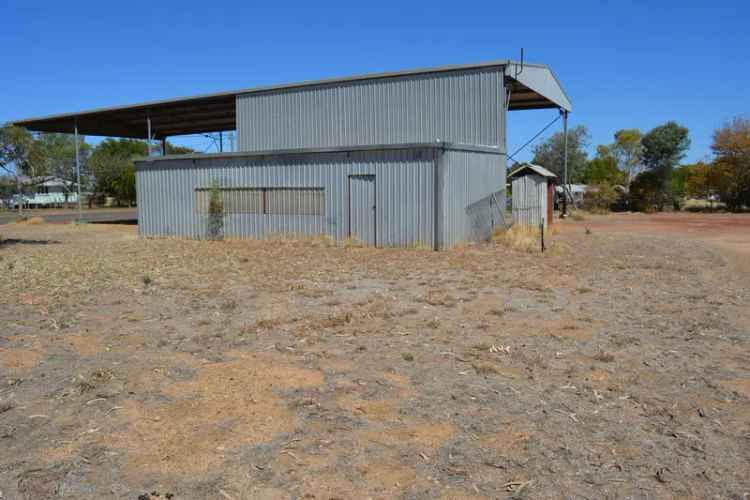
pixel 63 216
pixel 614 366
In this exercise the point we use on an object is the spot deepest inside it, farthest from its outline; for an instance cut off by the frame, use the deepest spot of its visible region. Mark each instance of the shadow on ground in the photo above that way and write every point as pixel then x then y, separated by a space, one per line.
pixel 17 241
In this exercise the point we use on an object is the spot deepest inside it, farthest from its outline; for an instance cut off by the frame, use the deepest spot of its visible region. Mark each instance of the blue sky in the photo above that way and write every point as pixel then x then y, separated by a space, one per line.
pixel 624 64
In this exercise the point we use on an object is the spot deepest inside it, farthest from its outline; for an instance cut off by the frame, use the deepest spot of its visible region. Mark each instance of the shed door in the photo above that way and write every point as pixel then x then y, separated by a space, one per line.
pixel 362 208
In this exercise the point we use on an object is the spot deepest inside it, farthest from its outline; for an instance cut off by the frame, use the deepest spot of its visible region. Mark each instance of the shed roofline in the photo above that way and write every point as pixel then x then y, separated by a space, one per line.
pixel 197 99
pixel 537 169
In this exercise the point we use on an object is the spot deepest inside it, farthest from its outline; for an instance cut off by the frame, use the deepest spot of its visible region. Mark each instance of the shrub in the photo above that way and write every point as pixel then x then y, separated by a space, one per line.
pixel 600 197
pixel 645 191
pixel 215 213
pixel 519 237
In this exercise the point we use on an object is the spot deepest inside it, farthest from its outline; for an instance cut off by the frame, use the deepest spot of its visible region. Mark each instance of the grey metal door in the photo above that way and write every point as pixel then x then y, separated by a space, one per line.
pixel 362 209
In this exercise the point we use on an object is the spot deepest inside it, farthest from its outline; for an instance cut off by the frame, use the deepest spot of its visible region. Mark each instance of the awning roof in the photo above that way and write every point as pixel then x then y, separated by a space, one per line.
pixel 532 86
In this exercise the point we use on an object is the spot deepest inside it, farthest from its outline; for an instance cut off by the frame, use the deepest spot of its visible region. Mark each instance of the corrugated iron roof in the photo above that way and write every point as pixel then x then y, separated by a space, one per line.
pixel 533 86
pixel 537 169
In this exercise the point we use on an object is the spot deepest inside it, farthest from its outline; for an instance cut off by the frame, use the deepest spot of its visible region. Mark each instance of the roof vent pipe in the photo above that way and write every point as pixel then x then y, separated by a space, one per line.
pixel 519 69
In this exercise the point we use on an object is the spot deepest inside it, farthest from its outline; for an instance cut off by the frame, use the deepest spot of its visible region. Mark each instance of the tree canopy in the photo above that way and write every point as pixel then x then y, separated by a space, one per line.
pixel 550 153
pixel 731 147
pixel 113 167
pixel 17 150
pixel 108 168
pixel 602 170
pixel 627 151
pixel 663 148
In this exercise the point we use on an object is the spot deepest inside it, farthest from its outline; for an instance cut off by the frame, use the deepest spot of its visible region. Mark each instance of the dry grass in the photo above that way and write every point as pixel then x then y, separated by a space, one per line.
pixel 518 237
pixel 577 215
pixel 31 220
pixel 271 361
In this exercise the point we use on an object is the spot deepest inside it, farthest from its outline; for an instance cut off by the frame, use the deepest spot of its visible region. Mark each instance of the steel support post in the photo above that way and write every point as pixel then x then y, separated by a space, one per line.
pixel 78 170
pixel 148 129
pixel 566 188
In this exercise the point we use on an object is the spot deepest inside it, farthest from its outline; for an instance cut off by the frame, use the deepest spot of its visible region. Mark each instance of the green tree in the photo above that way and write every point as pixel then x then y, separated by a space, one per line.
pixel 731 147
pixel 58 156
pixel 702 180
pixel 550 153
pixel 602 170
pixel 600 197
pixel 663 148
pixel 21 155
pixel 178 150
pixel 15 149
pixel 628 152
pixel 645 191
pixel 7 187
pixel 113 167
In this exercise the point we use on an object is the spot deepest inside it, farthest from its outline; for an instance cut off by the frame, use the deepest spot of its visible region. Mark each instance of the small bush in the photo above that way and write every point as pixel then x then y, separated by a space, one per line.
pixel 600 197
pixel 215 213
pixel 146 280
pixel 645 192
pixel 407 356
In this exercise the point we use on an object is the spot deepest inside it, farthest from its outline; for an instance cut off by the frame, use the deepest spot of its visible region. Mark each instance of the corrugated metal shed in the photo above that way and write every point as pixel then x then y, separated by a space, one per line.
pixel 473 196
pixel 465 106
pixel 433 195
pixel 531 195
pixel 537 169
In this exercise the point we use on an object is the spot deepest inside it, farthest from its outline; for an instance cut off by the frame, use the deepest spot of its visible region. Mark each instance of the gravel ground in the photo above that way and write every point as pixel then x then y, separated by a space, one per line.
pixel 615 365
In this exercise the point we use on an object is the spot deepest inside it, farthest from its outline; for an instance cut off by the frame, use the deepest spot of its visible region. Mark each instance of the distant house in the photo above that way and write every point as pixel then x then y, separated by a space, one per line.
pixel 577 192
pixel 51 192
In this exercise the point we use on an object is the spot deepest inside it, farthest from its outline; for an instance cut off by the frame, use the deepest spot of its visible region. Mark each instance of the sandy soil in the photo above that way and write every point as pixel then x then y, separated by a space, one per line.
pixel 616 365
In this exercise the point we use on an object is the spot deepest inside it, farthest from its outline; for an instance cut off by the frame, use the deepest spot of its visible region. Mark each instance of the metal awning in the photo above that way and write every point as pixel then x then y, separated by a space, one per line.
pixel 531 86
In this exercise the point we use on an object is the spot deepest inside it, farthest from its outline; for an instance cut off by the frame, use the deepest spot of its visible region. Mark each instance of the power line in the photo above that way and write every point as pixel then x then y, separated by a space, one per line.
pixel 512 156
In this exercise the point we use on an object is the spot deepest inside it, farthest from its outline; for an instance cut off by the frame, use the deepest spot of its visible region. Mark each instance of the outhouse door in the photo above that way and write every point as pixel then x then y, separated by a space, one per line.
pixel 362 209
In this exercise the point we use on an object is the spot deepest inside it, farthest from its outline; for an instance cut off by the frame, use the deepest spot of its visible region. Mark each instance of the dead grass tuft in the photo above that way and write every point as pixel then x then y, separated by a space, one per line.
pixel 604 357
pixel 92 380
pixel 485 369
pixel 519 237
pixel 269 322
pixel 30 220
pixel 577 215
pixel 337 319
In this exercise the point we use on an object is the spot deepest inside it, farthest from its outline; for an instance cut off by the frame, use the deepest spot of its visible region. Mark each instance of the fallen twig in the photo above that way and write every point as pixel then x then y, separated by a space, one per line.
pixel 287 452
pixel 226 495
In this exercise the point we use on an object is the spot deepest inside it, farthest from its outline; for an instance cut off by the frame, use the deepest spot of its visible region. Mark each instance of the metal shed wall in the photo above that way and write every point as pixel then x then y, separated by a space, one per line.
pixel 530 200
pixel 466 106
pixel 404 193
pixel 470 212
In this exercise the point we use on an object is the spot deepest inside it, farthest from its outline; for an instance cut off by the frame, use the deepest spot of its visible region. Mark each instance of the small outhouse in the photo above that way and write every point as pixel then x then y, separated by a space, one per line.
pixel 533 189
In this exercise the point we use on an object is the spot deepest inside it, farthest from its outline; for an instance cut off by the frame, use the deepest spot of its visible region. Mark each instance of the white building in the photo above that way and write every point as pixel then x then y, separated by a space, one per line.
pixel 50 193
